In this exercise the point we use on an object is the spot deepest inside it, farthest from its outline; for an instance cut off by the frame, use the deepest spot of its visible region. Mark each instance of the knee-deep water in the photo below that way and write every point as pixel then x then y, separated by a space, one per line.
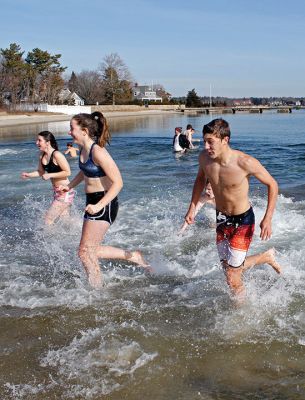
pixel 175 334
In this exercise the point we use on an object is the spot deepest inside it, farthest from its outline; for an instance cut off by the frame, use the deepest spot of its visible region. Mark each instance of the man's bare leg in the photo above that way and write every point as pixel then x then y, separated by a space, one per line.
pixel 268 257
pixel 234 275
pixel 234 280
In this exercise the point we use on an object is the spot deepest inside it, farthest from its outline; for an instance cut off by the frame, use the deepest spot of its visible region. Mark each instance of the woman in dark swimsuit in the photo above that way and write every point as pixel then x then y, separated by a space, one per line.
pixel 54 166
pixel 103 182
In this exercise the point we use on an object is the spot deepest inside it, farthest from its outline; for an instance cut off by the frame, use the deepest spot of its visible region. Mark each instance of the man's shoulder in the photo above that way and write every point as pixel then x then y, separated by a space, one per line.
pixel 244 160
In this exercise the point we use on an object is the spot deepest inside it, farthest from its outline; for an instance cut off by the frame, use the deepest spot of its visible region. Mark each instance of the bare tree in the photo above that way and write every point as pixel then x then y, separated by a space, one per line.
pixel 116 78
pixel 89 86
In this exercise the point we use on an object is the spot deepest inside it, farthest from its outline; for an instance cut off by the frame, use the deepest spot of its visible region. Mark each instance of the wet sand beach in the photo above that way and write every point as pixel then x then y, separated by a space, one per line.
pixel 33 118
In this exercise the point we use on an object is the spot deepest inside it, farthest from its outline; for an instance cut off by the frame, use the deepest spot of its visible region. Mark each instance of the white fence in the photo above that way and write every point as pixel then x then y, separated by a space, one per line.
pixel 70 110
pixel 63 109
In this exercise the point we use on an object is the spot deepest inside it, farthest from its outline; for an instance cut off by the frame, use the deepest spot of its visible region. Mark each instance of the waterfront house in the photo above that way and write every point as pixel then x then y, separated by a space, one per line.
pixel 242 102
pixel 65 96
pixel 145 93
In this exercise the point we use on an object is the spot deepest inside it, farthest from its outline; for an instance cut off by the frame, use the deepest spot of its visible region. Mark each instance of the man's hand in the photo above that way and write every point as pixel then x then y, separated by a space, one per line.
pixel 266 229
pixel 190 216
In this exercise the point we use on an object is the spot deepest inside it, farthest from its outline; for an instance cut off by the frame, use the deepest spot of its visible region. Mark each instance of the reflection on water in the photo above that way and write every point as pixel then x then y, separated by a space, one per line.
pixel 29 131
pixel 156 124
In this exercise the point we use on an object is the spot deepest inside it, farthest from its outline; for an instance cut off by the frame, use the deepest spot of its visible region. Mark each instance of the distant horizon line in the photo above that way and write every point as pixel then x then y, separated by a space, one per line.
pixel 246 97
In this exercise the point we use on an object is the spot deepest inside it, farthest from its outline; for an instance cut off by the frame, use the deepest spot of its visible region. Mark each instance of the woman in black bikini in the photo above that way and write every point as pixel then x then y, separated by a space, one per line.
pixel 103 182
pixel 54 166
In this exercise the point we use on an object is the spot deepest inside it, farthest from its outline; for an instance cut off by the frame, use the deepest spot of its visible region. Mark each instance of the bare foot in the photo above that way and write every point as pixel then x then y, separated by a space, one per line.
pixel 271 261
pixel 137 258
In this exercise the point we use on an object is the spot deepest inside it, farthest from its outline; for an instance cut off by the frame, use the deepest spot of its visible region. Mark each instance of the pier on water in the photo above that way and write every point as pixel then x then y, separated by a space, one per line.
pixel 236 109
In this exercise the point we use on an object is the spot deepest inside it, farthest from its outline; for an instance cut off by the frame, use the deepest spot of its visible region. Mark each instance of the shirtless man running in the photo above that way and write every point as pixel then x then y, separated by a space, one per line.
pixel 229 171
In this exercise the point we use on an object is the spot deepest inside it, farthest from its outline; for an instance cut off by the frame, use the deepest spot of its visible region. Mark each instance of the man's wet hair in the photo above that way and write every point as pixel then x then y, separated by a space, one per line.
pixel 218 127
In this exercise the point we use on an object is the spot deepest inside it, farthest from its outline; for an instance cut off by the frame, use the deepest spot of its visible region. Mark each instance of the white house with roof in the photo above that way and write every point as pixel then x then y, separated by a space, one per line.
pixel 145 93
pixel 66 96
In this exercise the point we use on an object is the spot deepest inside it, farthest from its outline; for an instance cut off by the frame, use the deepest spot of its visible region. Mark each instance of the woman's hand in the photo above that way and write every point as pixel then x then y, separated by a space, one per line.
pixel 62 189
pixel 45 177
pixel 93 208
pixel 25 175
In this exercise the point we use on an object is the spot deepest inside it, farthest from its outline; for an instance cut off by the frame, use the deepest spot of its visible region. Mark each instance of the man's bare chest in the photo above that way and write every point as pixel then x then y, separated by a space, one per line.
pixel 225 176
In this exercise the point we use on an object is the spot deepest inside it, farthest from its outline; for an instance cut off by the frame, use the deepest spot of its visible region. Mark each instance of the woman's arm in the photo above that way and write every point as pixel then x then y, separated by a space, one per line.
pixel 63 164
pixel 34 174
pixel 102 158
pixel 76 180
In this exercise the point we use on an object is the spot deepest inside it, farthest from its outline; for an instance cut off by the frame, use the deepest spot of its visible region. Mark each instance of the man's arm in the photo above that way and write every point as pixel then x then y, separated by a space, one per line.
pixel 198 187
pixel 264 177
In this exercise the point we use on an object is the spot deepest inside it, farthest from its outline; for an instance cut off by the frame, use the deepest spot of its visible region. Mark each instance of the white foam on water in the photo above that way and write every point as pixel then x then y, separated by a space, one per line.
pixel 21 391
pixel 270 297
pixel 8 151
pixel 99 360
pixel 55 275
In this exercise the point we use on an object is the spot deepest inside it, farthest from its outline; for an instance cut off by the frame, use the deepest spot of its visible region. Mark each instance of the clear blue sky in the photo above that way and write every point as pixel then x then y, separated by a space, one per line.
pixel 241 48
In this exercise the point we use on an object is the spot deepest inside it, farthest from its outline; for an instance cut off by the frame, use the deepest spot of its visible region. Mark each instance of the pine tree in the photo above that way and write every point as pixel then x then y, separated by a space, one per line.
pixel 192 99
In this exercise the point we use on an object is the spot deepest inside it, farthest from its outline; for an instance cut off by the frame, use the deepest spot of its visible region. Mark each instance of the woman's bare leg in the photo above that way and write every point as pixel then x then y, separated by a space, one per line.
pixel 90 251
pixel 57 209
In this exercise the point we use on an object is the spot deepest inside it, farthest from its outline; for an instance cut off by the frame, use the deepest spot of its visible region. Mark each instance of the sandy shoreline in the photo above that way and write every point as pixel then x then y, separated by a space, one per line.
pixel 22 119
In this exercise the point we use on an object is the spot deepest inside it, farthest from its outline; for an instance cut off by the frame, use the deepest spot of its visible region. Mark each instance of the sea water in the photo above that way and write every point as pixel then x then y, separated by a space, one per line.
pixel 175 334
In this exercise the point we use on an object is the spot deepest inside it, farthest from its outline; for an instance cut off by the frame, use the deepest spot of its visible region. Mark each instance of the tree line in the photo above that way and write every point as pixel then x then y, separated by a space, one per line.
pixel 193 100
pixel 38 77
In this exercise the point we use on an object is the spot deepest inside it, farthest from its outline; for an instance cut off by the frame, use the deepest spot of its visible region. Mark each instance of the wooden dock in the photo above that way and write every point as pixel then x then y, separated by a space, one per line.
pixel 236 109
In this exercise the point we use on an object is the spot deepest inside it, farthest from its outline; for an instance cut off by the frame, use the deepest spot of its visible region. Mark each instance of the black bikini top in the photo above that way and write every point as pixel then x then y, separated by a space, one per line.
pixel 89 168
pixel 51 167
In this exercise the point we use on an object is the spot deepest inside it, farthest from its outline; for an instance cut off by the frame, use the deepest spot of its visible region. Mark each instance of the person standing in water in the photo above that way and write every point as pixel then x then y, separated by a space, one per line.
pixel 72 151
pixel 229 171
pixel 189 135
pixel 176 141
pixel 207 198
pixel 103 182
pixel 53 166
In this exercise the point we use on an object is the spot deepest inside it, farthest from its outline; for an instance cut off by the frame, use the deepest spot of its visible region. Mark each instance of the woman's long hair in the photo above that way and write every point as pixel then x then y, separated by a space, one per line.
pixel 49 137
pixel 96 125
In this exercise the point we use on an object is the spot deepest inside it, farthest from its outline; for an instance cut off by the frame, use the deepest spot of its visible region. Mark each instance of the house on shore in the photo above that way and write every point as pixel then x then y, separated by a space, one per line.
pixel 242 102
pixel 145 93
pixel 65 96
